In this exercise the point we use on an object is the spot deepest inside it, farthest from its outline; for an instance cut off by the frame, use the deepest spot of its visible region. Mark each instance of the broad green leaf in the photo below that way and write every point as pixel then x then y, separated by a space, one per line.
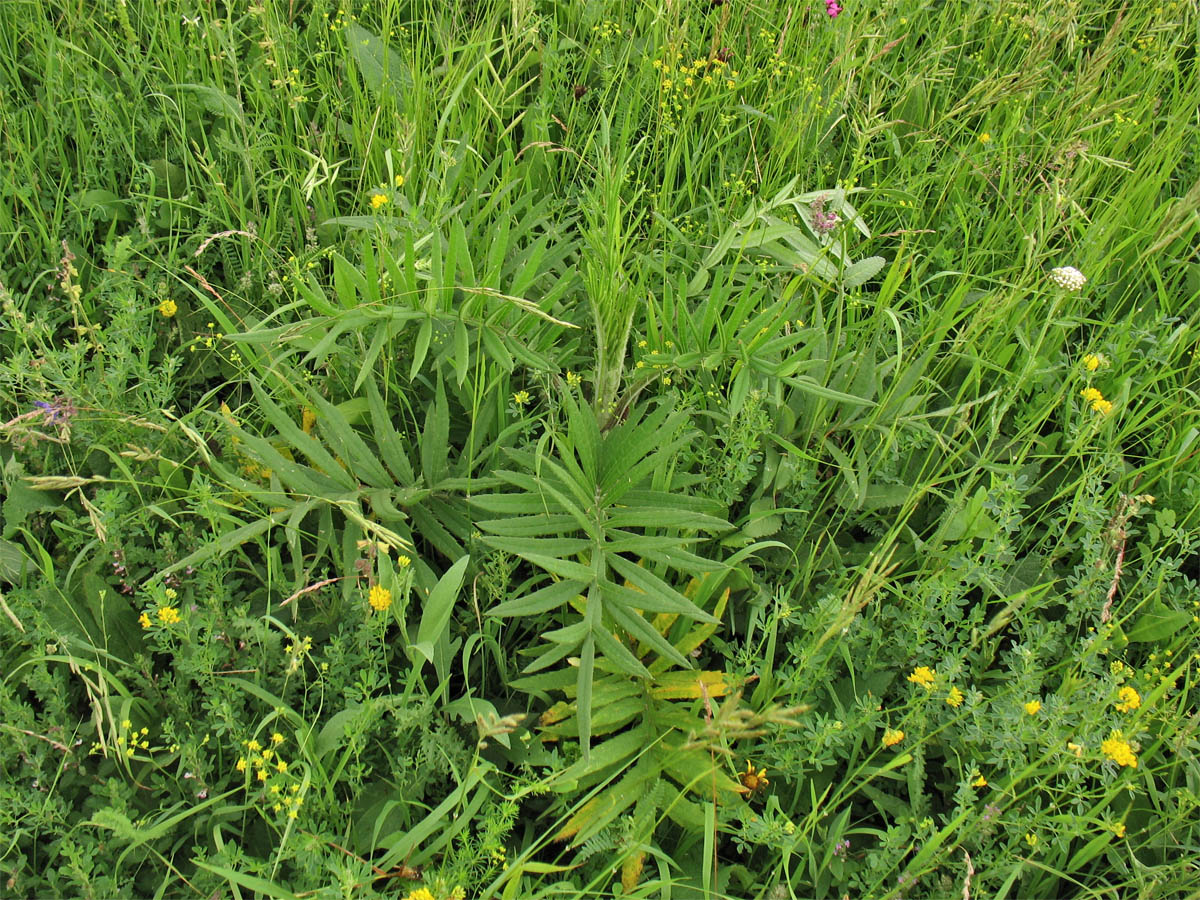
pixel 555 596
pixel 439 605
pixel 382 69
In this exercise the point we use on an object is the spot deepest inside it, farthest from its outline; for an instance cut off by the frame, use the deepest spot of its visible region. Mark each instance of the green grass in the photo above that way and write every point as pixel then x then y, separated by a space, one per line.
pixel 457 436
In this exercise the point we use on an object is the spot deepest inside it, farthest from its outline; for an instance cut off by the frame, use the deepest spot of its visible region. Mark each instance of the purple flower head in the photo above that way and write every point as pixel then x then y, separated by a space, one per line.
pixel 823 222
pixel 832 8
pixel 55 411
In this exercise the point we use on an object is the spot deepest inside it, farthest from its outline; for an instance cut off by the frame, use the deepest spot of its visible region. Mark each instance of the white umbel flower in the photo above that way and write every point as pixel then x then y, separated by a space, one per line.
pixel 1068 278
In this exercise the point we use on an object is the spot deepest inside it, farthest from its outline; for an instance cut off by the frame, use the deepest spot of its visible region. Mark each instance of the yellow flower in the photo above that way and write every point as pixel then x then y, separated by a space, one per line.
pixel 262 775
pixel 985 138
pixel 378 200
pixel 1119 829
pixel 168 308
pixel 398 181
pixel 276 738
pixel 403 562
pixel 1033 706
pixel 168 615
pixel 1104 407
pixel 752 780
pixel 1129 699
pixel 241 764
pixel 1075 748
pixel 281 766
pixel 1093 361
pixel 1119 750
pixel 924 676
pixel 1091 395
pixel 1031 840
pixel 979 782
pixel 420 894
pixel 521 398
pixel 892 736
pixel 574 379
pixel 267 754
pixel 253 746
pixel 144 620
pixel 955 697
pixel 380 598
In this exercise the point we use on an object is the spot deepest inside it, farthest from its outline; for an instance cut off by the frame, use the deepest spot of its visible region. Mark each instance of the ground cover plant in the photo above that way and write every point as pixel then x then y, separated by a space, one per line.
pixel 559 449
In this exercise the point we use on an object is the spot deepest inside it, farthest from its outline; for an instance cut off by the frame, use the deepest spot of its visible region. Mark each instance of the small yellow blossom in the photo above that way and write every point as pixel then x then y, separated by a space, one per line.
pixel 398 181
pixel 955 697
pixel 1031 839
pixel 924 676
pixel 168 308
pixel 168 615
pixel 253 746
pixel 144 620
pixel 276 738
pixel 1033 706
pixel 403 562
pixel 241 764
pixel 1093 361
pixel 378 200
pixel 1119 829
pixel 281 766
pixel 1119 750
pixel 574 379
pixel 979 782
pixel 268 754
pixel 1129 699
pixel 892 736
pixel 521 398
pixel 420 894
pixel 380 598
pixel 1075 748
pixel 752 780
pixel 1104 407
pixel 262 775
pixel 985 138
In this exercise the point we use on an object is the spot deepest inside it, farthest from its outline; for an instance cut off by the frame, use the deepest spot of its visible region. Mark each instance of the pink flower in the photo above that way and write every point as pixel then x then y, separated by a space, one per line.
pixel 832 8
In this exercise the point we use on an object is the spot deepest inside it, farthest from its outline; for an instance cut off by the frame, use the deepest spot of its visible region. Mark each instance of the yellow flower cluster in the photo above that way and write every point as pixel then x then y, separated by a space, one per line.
pixel 924 676
pixel 1128 699
pixel 133 740
pixel 267 764
pixel 380 598
pixel 1119 750
pixel 1092 396
pixel 954 697
pixel 1033 707
pixel 892 736
pixel 682 84
pixel 168 308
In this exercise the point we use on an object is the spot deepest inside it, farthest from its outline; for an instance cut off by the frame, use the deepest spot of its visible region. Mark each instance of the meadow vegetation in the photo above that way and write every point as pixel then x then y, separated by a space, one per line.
pixel 552 448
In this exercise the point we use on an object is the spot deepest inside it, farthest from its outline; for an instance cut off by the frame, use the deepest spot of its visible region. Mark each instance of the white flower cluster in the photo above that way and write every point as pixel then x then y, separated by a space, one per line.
pixel 1068 278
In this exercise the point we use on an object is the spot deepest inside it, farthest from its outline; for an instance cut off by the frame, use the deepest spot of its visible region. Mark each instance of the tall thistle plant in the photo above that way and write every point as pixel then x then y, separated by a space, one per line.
pixel 612 292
